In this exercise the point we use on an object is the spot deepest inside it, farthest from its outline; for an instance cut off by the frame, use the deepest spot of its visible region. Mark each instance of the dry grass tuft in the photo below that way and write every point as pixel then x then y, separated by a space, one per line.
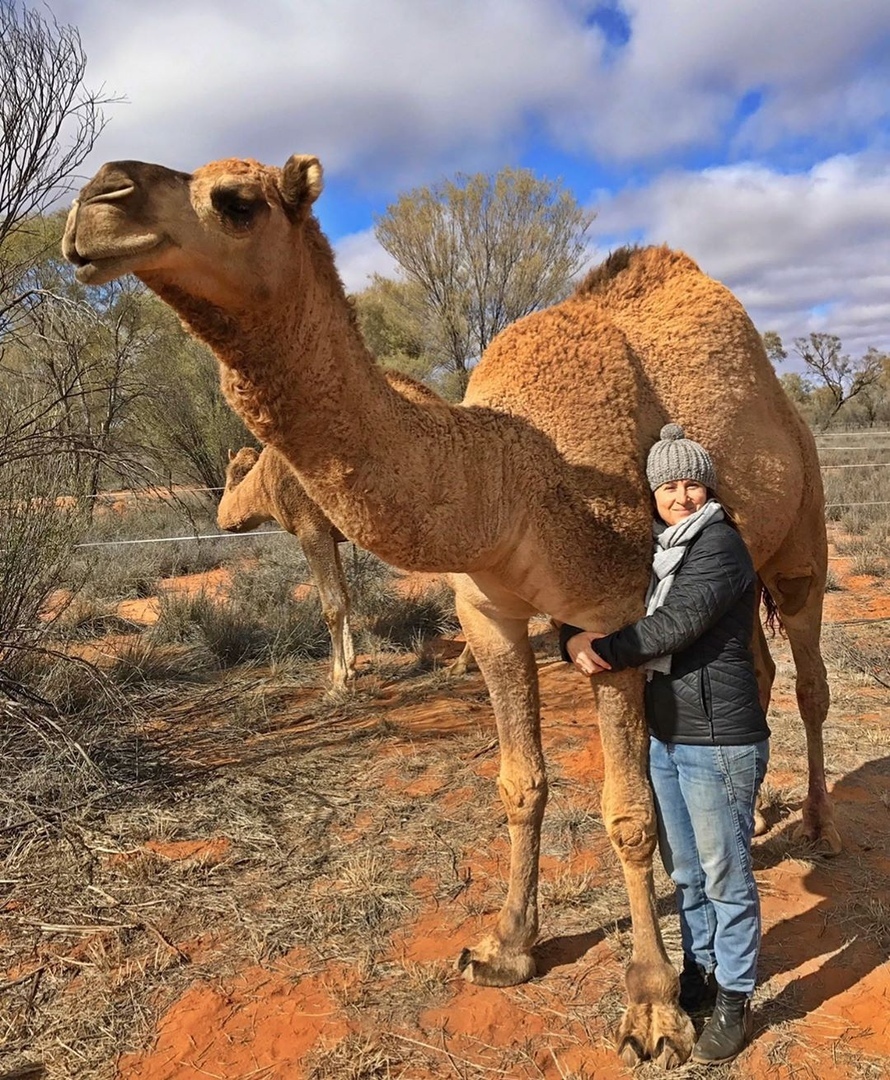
pixel 357 1057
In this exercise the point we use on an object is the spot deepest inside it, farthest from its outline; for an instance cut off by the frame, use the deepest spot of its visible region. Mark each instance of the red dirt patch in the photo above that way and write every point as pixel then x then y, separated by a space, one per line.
pixel 261 1023
pixel 207 852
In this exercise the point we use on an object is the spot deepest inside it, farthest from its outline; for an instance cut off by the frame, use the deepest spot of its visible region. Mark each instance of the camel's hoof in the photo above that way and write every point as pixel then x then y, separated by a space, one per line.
pixel 822 837
pixel 663 1033
pixel 491 964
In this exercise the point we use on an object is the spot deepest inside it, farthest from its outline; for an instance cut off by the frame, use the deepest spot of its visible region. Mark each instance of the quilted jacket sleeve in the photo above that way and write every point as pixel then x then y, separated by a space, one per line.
pixel 713 577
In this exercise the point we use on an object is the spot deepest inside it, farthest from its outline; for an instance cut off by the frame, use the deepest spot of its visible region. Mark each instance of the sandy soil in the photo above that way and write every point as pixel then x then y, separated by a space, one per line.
pixel 823 1009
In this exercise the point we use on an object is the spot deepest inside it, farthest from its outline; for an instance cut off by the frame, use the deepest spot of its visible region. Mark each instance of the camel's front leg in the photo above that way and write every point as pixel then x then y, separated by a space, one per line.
pixel 653 1026
pixel 323 557
pixel 501 648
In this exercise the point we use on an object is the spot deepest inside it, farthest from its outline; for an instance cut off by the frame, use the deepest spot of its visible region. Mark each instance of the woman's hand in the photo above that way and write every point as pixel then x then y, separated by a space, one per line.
pixel 580 649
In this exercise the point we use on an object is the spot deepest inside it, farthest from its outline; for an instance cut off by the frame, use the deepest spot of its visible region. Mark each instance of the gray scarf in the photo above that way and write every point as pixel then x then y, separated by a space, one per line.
pixel 671 543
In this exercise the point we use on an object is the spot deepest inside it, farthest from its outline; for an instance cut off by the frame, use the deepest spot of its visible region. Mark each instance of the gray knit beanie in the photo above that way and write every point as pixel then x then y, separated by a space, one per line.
pixel 679 458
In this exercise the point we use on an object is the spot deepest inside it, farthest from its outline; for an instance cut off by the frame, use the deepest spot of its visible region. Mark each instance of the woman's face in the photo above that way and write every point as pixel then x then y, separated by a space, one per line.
pixel 678 499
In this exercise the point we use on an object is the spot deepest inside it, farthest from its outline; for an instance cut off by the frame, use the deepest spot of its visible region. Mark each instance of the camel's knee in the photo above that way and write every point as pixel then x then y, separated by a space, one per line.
pixel 813 696
pixel 333 614
pixel 633 837
pixel 524 796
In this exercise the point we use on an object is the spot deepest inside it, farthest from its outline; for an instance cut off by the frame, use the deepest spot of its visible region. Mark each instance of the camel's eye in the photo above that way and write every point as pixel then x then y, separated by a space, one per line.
pixel 236 207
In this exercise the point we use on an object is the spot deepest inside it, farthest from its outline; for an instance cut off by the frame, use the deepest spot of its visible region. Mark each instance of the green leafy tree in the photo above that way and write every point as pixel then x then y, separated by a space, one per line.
pixel 185 422
pixel 392 317
pixel 479 252
pixel 775 350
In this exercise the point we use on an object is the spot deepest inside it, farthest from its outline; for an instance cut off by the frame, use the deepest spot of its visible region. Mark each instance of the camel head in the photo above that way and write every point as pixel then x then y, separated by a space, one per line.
pixel 239 465
pixel 229 234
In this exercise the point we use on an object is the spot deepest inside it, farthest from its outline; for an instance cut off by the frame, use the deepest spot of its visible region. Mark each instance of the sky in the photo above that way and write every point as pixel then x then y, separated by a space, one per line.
pixel 752 134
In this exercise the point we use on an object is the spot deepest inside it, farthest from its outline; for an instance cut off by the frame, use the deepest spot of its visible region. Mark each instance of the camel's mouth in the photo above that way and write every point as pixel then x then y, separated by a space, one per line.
pixel 102 243
pixel 97 270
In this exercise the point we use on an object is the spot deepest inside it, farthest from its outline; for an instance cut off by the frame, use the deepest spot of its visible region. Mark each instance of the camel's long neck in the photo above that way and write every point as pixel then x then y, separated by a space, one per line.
pixel 408 481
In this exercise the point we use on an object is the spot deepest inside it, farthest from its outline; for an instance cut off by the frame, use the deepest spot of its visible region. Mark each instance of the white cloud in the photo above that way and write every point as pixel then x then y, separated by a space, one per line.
pixel 803 252
pixel 388 91
pixel 399 90
pixel 359 256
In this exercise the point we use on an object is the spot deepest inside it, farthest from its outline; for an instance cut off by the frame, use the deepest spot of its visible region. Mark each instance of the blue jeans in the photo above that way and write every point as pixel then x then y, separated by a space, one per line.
pixel 704 799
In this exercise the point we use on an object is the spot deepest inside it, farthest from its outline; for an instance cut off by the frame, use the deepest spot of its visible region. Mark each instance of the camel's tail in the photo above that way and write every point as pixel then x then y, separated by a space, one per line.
pixel 773 618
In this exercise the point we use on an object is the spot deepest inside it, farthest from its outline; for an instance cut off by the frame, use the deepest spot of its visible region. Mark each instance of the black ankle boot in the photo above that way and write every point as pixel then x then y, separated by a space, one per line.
pixel 728 1031
pixel 697 989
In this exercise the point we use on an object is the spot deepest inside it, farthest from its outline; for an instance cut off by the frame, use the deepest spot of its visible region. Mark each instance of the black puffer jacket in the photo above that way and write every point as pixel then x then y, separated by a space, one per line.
pixel 710 696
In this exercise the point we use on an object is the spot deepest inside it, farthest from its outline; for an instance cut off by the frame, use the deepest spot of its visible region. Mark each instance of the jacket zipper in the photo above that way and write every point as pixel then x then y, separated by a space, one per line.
pixel 704 681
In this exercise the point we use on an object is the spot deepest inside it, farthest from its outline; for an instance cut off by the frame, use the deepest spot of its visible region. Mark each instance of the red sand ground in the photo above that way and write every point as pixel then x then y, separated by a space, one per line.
pixel 263 1022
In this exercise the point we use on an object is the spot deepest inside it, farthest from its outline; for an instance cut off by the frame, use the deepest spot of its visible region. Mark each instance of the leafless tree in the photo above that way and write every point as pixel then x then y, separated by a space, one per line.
pixel 843 376
pixel 48 124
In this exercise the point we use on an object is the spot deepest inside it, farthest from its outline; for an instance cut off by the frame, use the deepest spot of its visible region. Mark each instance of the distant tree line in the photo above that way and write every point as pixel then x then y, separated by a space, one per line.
pixel 833 388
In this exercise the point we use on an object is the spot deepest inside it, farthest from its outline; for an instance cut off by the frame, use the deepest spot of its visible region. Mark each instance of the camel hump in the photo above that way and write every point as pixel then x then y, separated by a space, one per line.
pixel 633 262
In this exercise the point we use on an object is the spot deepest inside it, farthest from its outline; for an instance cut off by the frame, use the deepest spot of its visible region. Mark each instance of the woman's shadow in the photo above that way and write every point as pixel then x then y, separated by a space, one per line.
pixel 839 939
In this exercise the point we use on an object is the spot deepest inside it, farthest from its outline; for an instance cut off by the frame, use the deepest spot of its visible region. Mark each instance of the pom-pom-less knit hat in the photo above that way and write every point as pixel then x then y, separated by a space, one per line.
pixel 677 458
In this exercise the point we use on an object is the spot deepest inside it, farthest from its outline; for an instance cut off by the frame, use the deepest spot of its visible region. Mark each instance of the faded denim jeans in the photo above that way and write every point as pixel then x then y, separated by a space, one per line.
pixel 704 799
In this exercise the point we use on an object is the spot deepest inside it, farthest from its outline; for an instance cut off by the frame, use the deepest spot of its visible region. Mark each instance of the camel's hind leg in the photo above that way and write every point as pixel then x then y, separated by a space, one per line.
pixel 654 1026
pixel 799 595
pixel 323 557
pixel 501 648
pixel 765 669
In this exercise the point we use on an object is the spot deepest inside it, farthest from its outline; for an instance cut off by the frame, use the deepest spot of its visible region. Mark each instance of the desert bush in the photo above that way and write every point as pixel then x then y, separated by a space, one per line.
pixel 88 617
pixel 832 583
pixel 870 559
pixel 122 571
pixel 236 633
pixel 145 661
pixel 869 556
pixel 386 615
pixel 39 525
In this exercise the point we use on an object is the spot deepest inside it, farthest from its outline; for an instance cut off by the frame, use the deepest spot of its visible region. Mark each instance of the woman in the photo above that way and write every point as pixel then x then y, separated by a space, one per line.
pixel 708 733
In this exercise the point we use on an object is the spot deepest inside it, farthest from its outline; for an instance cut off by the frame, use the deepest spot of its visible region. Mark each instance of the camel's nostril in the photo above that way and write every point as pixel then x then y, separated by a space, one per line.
pixel 114 189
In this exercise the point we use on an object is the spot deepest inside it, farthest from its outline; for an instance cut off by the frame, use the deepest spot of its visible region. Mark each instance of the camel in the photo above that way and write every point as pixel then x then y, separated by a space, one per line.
pixel 531 493
pixel 261 487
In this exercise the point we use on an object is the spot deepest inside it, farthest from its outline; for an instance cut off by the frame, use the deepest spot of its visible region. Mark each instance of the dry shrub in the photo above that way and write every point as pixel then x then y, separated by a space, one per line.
pixel 144 661
pixel 40 525
pixel 88 617
pixel 832 582
pixel 356 1057
pixel 237 633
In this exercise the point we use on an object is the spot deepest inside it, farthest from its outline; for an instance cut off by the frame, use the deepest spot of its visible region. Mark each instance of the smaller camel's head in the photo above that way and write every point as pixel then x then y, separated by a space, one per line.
pixel 239 465
pixel 230 233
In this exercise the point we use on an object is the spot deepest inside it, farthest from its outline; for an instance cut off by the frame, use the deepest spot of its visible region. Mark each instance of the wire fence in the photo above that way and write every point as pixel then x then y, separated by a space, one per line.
pixel 179 492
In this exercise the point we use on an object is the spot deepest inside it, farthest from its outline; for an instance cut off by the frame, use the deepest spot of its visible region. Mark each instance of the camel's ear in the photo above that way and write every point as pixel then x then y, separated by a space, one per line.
pixel 301 183
pixel 231 454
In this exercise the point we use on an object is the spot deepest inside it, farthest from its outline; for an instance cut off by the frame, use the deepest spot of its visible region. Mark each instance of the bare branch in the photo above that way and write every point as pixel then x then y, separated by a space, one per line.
pixel 48 121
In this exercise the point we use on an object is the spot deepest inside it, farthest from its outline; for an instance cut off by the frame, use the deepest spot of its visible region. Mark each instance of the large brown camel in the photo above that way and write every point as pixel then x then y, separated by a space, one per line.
pixel 261 486
pixel 532 491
